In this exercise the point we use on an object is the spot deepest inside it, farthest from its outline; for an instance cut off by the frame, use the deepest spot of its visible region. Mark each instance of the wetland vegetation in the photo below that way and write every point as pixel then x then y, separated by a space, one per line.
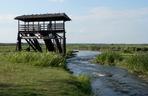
pixel 38 74
pixel 44 74
pixel 133 57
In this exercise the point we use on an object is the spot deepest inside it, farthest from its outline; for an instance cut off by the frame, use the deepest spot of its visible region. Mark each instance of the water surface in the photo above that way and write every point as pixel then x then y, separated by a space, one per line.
pixel 107 80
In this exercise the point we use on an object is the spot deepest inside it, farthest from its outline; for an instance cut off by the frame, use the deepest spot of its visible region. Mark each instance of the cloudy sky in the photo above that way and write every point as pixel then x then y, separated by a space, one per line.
pixel 93 21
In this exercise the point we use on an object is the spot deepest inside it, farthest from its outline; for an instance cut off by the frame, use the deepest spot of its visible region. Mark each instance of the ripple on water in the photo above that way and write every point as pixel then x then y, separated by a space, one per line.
pixel 106 80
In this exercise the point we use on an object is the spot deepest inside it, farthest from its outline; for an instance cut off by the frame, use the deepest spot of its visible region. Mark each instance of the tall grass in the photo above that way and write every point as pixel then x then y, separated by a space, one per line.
pixel 26 80
pixel 36 59
pixel 109 57
pixel 84 83
pixel 137 63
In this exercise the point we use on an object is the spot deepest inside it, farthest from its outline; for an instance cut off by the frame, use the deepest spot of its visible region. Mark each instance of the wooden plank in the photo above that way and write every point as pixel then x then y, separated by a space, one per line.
pixel 31 44
pixel 64 40
pixel 48 42
pixel 29 37
pixel 58 43
pixel 41 31
pixel 19 43
pixel 37 45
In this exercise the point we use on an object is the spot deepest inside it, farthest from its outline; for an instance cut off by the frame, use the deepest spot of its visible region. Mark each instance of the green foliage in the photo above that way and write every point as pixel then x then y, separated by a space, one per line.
pixel 84 83
pixel 126 48
pixel 137 63
pixel 26 80
pixel 69 53
pixel 36 59
pixel 109 57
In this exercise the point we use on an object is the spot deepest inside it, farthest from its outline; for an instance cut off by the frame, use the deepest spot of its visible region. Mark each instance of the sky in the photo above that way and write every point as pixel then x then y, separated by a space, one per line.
pixel 93 21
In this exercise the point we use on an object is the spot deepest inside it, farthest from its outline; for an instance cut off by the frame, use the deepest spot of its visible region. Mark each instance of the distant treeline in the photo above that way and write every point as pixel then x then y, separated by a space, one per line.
pixel 127 48
pixel 114 47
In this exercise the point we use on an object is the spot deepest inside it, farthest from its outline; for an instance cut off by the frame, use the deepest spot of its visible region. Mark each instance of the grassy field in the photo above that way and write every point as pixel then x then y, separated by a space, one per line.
pixel 38 74
pixel 44 74
pixel 27 80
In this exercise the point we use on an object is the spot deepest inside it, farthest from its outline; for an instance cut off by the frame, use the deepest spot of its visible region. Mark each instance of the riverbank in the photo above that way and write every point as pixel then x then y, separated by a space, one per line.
pixel 136 63
pixel 133 57
pixel 107 80
pixel 38 74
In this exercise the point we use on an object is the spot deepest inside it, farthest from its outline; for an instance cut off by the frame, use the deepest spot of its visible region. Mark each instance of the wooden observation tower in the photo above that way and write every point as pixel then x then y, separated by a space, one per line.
pixel 48 27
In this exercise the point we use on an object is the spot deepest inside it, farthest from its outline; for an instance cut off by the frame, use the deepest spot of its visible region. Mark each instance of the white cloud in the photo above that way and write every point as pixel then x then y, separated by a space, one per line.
pixel 105 12
pixel 108 13
pixel 106 25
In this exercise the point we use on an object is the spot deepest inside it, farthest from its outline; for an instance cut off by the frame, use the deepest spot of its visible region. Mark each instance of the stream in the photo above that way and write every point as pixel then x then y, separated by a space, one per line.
pixel 107 80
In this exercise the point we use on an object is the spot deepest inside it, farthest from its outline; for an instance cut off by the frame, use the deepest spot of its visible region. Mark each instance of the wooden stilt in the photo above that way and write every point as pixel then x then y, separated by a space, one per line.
pixel 35 27
pixel 19 43
pixel 36 43
pixel 64 39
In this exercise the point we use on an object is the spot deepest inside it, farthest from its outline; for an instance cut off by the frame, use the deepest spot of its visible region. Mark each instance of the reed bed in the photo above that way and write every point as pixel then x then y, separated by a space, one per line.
pixel 33 58
pixel 84 83
pixel 39 74
pixel 109 57
pixel 137 63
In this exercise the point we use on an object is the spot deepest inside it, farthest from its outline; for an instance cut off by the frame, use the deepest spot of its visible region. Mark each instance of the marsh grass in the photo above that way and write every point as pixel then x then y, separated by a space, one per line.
pixel 28 80
pixel 69 53
pixel 109 57
pixel 36 59
pixel 84 83
pixel 39 74
pixel 137 63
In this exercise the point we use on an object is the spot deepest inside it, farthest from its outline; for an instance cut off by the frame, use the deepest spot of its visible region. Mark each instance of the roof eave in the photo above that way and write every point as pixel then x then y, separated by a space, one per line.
pixel 30 18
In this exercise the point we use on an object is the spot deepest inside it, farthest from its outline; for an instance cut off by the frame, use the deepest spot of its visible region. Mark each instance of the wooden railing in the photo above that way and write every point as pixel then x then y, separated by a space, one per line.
pixel 41 27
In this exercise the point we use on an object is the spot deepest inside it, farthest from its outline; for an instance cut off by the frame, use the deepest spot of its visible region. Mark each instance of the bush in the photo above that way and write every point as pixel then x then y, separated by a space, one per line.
pixel 36 59
pixel 109 58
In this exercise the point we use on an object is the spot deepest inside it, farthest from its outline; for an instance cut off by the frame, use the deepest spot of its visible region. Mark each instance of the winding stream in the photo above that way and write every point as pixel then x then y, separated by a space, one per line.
pixel 106 80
